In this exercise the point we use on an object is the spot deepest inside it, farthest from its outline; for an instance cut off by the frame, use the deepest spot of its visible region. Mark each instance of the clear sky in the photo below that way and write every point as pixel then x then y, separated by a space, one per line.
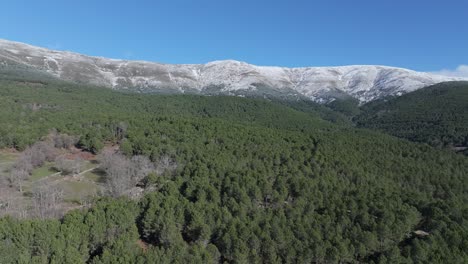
pixel 428 35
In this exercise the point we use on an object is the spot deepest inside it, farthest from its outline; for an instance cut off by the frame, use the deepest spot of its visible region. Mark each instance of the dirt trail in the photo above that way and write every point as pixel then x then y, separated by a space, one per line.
pixel 85 171
pixel 63 178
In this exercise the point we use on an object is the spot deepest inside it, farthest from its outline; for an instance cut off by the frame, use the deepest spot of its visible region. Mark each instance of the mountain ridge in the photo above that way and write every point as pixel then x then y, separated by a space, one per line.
pixel 230 77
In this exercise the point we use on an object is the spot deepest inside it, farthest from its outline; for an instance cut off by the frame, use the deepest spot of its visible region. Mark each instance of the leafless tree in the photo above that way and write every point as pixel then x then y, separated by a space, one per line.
pixel 35 156
pixel 61 165
pixel 122 173
pixel 77 165
pixel 44 150
pixel 3 208
pixel 165 162
pixel 39 153
pixel 17 178
pixel 118 175
pixel 66 141
pixel 13 206
pixel 106 160
pixel 69 141
pixel 21 171
pixel 141 166
pixel 68 166
pixel 46 200
pixel 62 140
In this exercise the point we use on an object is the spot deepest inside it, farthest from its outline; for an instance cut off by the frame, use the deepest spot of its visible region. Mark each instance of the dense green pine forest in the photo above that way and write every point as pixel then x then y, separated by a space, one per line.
pixel 253 181
pixel 437 115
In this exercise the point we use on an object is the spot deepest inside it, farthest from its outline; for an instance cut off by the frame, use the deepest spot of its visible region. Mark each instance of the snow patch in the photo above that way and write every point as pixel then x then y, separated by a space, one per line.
pixel 321 84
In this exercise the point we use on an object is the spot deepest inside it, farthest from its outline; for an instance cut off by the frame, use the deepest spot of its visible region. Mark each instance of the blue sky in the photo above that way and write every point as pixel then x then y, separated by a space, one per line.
pixel 422 35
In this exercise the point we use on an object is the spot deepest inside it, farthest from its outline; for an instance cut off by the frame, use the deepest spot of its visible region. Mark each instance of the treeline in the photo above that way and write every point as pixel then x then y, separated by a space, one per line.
pixel 254 182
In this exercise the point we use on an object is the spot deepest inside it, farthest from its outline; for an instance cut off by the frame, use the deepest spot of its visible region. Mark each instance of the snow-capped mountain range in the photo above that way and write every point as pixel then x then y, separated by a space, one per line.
pixel 364 82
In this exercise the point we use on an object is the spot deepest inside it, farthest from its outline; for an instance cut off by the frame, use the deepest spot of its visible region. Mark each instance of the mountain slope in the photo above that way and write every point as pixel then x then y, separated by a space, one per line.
pixel 25 102
pixel 255 182
pixel 437 115
pixel 321 84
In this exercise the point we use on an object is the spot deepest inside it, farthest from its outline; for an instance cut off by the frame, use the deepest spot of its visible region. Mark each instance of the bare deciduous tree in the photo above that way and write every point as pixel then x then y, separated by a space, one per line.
pixel 118 177
pixel 36 157
pixel 32 157
pixel 46 200
pixel 62 140
pixel 68 166
pixel 47 150
pixel 122 173
pixel 17 177
pixel 39 153
pixel 21 171
pixel 165 162
pixel 105 160
pixel 141 166
pixel 13 206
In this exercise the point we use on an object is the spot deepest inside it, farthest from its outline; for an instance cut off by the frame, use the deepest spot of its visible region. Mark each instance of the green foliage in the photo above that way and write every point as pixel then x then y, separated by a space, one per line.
pixel 30 109
pixel 326 112
pixel 80 236
pixel 437 115
pixel 255 182
pixel 349 107
pixel 91 141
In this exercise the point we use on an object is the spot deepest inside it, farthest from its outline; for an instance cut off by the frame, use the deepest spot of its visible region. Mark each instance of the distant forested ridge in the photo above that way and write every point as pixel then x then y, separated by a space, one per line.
pixel 255 182
pixel 437 115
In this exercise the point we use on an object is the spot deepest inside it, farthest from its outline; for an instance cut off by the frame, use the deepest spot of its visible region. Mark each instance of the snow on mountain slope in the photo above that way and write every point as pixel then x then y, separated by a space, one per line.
pixel 365 83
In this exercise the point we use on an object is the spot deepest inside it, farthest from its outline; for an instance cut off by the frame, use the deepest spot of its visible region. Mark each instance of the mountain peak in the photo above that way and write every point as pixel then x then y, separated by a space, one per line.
pixel 364 82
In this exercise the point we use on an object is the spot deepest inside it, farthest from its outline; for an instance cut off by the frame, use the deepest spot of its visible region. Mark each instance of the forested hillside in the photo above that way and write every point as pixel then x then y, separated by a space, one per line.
pixel 249 181
pixel 437 115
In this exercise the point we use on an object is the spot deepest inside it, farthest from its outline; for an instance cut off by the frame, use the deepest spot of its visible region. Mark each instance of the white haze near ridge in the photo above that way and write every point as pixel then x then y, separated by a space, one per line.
pixel 460 71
